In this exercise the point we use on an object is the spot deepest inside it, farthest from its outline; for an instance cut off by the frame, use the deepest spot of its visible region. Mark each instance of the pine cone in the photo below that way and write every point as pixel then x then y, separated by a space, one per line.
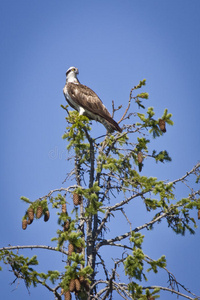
pixel 24 224
pixel 72 285
pixel 161 124
pixel 39 212
pixel 68 295
pixel 46 215
pixel 199 214
pixel 66 225
pixel 139 157
pixel 29 222
pixel 77 285
pixel 30 212
pixel 64 208
pixel 70 249
pixel 77 199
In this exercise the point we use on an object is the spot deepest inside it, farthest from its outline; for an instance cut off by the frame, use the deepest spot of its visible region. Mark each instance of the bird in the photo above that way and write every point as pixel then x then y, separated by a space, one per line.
pixel 86 102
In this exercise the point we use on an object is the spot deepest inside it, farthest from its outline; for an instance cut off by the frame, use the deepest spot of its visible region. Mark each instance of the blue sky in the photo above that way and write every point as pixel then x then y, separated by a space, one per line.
pixel 114 44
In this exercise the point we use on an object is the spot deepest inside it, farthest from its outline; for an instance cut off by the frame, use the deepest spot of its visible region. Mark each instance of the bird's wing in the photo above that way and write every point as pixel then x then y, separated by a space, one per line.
pixel 88 99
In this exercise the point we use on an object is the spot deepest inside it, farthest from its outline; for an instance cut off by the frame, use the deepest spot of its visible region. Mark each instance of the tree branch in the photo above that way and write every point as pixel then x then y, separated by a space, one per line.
pixel 123 236
pixel 172 278
pixel 34 247
pixel 194 169
pixel 171 291
pixel 129 103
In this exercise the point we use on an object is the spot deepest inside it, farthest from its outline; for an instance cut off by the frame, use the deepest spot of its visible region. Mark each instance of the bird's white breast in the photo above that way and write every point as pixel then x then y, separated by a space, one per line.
pixel 77 107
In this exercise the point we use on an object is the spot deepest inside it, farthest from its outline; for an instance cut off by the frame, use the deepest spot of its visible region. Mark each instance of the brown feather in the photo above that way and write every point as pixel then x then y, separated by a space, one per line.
pixel 88 99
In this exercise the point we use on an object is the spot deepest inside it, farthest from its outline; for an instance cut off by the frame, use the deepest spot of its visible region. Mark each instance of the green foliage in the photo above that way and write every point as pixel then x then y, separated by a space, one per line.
pixel 162 156
pixel 134 268
pixel 151 123
pixel 136 239
pixel 167 117
pixel 137 292
pixel 25 199
pixel 141 96
pixel 23 269
pixel 141 83
pixel 53 276
pixel 91 194
pixel 21 266
pixel 75 133
pixel 134 264
pixel 70 235
pixel 161 263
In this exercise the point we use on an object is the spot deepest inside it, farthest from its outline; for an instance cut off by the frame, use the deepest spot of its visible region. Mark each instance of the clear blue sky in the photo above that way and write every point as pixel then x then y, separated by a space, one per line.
pixel 114 44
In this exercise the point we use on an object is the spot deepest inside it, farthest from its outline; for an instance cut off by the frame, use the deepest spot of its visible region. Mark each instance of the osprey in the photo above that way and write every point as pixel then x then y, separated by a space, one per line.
pixel 86 101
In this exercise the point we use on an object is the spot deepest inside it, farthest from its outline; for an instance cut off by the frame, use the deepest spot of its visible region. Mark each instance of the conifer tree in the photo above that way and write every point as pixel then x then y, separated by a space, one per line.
pixel 107 180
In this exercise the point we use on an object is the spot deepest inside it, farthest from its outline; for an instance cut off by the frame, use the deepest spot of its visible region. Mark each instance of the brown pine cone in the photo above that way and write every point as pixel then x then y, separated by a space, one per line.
pixel 161 124
pixel 139 157
pixel 70 249
pixel 24 224
pixel 39 212
pixel 66 225
pixel 72 285
pixel 77 285
pixel 68 295
pixel 64 208
pixel 30 212
pixel 199 214
pixel 77 199
pixel 46 215
pixel 29 222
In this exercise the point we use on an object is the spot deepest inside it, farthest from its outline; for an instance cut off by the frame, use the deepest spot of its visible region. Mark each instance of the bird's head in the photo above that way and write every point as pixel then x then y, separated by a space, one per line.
pixel 71 74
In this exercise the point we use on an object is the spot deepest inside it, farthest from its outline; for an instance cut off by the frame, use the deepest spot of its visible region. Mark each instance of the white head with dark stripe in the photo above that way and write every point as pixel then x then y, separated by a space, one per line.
pixel 71 75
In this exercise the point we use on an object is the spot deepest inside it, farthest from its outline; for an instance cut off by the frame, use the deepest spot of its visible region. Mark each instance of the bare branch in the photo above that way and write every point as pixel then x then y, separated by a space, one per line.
pixel 115 109
pixel 123 236
pixel 34 247
pixel 171 291
pixel 196 167
pixel 172 279
pixel 129 103
pixel 104 266
pixel 72 187
pixel 125 201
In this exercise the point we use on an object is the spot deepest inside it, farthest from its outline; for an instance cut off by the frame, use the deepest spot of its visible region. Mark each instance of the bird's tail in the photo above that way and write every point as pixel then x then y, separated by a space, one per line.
pixel 111 125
